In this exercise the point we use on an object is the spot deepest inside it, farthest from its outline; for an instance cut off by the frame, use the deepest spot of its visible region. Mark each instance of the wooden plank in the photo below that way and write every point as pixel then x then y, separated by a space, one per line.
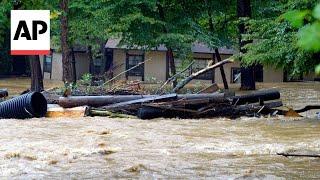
pixel 56 111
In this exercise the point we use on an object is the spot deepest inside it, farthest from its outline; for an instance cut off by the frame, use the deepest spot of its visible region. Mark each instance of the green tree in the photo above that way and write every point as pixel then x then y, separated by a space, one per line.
pixel 276 40
pixel 309 33
pixel 150 23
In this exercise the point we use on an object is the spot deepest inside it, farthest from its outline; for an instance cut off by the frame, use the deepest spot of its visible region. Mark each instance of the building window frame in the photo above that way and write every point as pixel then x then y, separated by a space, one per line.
pixel 235 71
pixel 132 60
pixel 47 64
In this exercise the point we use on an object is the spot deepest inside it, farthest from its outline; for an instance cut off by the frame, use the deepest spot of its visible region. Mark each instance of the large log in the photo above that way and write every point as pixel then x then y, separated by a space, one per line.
pixel 136 104
pixel 257 96
pixel 123 105
pixel 196 74
pixel 97 101
pixel 151 111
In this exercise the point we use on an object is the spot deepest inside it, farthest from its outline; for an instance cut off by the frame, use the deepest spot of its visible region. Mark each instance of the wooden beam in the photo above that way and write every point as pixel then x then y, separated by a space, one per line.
pixel 223 75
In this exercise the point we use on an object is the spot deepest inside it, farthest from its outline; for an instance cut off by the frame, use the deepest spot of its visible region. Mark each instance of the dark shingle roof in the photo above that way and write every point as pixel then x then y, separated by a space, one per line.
pixel 196 47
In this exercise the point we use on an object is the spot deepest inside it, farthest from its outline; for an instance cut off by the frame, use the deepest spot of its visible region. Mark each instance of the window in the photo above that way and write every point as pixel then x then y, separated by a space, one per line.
pixel 132 61
pixel 201 63
pixel 258 72
pixel 47 63
pixel 97 63
pixel 235 75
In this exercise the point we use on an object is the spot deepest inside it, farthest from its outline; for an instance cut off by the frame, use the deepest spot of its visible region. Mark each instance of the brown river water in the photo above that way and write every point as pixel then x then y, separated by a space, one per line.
pixel 217 148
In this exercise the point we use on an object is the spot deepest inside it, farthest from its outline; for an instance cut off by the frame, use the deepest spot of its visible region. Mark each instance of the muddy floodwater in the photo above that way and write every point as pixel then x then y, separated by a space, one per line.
pixel 166 148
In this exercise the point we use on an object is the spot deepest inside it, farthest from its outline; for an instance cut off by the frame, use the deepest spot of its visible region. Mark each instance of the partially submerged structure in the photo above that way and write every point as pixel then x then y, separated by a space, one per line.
pixel 119 58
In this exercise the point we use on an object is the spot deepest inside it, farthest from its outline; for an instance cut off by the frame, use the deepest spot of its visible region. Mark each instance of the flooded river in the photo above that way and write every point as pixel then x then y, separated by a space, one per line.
pixel 166 148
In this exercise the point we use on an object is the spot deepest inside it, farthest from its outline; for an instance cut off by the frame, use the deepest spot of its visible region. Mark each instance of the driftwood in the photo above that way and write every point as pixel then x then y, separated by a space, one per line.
pixel 299 155
pixel 97 101
pixel 104 113
pixel 123 105
pixel 150 111
pixel 184 82
pixel 295 113
pixel 258 96
pixel 307 108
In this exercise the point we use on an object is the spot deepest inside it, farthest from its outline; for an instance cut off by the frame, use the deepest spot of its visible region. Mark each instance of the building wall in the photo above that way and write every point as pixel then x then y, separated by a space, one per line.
pixel 311 77
pixel 56 67
pixel 156 67
pixel 271 75
pixel 82 66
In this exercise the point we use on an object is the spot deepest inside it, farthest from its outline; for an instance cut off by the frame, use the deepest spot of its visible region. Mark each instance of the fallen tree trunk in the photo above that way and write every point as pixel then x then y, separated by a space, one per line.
pixel 123 105
pixel 258 96
pixel 214 97
pixel 196 74
pixel 299 155
pixel 104 113
pixel 97 101
pixel 151 111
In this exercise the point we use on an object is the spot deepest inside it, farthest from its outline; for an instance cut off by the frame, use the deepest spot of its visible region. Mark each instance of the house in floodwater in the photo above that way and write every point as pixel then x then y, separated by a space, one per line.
pixel 156 68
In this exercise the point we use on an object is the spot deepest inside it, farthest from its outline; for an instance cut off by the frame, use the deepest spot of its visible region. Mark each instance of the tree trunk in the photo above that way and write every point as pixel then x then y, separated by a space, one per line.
pixel 91 65
pixel 172 66
pixel 223 74
pixel 73 66
pixel 170 51
pixel 216 50
pixel 247 73
pixel 36 74
pixel 66 62
pixel 202 71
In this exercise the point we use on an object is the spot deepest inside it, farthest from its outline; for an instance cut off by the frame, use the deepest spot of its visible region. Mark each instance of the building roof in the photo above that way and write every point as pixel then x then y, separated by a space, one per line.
pixel 196 47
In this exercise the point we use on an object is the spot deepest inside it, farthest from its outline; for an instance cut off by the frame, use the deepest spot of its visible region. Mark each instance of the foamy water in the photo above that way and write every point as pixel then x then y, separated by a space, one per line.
pixel 164 148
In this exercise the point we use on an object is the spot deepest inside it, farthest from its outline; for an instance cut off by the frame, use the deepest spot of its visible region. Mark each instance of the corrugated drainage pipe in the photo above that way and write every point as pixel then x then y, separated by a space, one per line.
pixel 29 105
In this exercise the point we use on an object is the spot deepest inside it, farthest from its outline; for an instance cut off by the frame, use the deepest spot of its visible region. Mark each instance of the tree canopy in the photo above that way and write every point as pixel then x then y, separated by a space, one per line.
pixel 284 34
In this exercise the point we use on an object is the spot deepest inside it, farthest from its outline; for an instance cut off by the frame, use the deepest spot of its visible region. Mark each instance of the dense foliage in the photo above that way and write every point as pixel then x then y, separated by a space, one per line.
pixel 277 42
pixel 285 33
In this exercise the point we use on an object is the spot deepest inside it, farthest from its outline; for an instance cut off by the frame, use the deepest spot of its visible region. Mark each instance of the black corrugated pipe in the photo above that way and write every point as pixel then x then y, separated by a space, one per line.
pixel 29 105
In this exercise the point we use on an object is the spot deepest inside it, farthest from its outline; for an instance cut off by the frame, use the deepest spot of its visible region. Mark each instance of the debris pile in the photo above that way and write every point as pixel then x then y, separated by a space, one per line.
pixel 177 105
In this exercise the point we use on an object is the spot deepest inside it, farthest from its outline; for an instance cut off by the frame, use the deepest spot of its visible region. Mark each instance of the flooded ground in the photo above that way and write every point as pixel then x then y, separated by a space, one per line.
pixel 16 86
pixel 166 148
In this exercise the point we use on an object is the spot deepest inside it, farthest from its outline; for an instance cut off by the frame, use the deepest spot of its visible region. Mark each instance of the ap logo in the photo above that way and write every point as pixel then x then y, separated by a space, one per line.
pixel 30 32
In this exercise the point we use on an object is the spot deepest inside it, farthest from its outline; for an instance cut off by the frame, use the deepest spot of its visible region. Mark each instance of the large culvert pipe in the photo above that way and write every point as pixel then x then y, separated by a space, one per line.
pixel 29 105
